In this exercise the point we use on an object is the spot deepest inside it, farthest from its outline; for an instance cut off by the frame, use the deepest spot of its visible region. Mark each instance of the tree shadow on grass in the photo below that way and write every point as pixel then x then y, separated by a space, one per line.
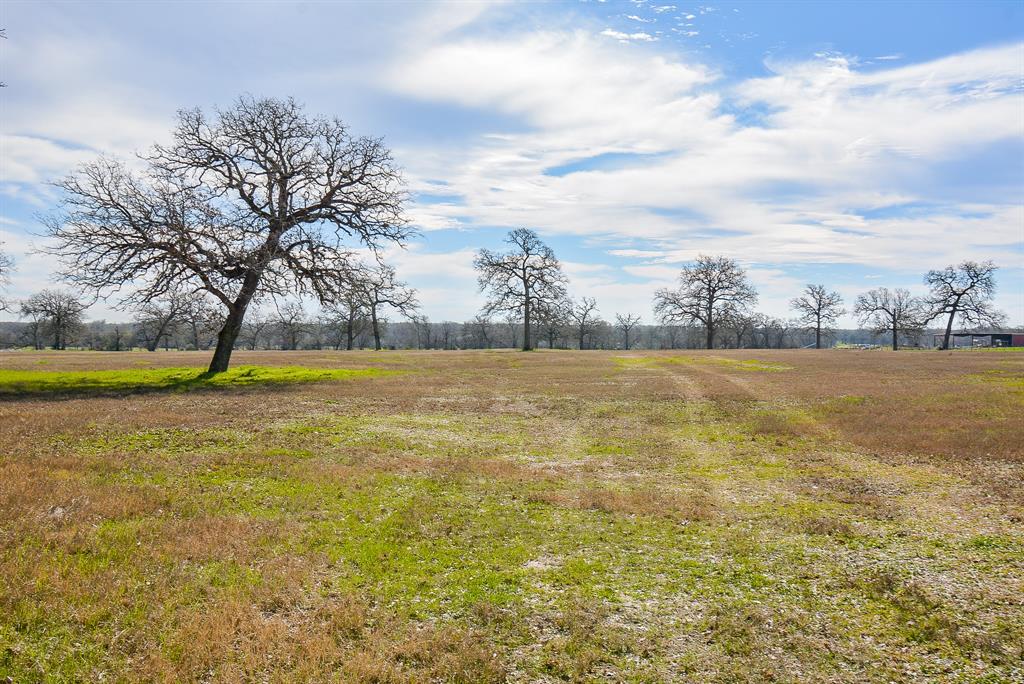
pixel 34 384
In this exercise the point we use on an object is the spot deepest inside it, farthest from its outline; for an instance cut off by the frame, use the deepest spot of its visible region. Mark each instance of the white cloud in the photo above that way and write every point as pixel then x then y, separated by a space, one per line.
pixel 841 138
pixel 626 37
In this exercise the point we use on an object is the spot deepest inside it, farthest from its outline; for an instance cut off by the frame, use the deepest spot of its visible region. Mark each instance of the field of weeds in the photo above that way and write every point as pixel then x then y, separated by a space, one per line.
pixel 790 516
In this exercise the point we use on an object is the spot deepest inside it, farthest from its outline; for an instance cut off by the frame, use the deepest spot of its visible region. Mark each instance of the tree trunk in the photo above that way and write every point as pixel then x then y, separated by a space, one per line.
pixel 226 339
pixel 526 326
pixel 817 335
pixel 349 331
pixel 376 328
pixel 895 338
pixel 710 336
pixel 949 329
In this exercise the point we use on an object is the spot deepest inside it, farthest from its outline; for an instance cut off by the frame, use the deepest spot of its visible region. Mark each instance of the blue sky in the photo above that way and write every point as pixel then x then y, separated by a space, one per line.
pixel 854 144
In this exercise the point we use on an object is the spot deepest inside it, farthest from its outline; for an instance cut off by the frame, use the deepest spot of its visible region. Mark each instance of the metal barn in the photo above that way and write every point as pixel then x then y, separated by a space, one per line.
pixel 970 340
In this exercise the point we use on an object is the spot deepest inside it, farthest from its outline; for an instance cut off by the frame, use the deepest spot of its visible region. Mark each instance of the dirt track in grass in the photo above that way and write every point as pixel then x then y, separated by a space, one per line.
pixel 837 516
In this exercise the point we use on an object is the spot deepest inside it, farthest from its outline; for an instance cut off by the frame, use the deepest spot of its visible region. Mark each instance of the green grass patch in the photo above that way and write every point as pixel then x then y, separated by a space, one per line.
pixel 32 382
pixel 1012 380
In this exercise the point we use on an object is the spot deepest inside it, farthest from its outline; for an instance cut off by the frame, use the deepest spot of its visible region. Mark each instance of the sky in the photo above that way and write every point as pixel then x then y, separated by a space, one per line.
pixel 854 144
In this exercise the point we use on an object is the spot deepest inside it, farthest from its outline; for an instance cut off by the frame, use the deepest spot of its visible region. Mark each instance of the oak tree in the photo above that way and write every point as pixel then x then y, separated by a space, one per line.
pixel 291 323
pixel 584 317
pixel 350 315
pixel 259 199
pixel 521 282
pixel 963 292
pixel 378 288
pixel 891 311
pixel 59 312
pixel 626 324
pixel 159 318
pixel 818 309
pixel 711 290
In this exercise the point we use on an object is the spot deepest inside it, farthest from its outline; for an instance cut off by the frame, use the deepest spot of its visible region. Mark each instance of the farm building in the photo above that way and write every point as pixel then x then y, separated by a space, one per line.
pixel 961 340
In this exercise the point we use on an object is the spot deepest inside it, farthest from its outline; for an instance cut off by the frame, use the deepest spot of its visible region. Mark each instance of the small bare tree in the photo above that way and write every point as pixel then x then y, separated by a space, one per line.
pixel 818 309
pixel 59 311
pixel 159 317
pixel 963 292
pixel 6 266
pixel 202 319
pixel 743 326
pixel 626 324
pixel 584 317
pixel 553 320
pixel 893 311
pixel 449 334
pixel 521 282
pixel 254 329
pixel 350 315
pixel 260 199
pixel 480 332
pixel 424 331
pixel 671 335
pixel 710 291
pixel 291 324
pixel 378 288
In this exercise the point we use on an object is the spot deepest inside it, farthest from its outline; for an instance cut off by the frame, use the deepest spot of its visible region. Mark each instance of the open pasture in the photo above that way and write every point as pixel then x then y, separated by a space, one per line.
pixel 495 516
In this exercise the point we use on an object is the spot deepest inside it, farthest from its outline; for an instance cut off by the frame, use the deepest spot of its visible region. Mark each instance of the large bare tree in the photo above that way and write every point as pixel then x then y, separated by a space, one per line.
pixel 59 311
pixel 523 281
pixel 711 290
pixel 259 199
pixel 891 311
pixel 818 309
pixel 626 324
pixel 963 292
pixel 379 288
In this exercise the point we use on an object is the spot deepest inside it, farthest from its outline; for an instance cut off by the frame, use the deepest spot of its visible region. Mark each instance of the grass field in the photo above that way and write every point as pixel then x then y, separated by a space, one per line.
pixel 789 516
